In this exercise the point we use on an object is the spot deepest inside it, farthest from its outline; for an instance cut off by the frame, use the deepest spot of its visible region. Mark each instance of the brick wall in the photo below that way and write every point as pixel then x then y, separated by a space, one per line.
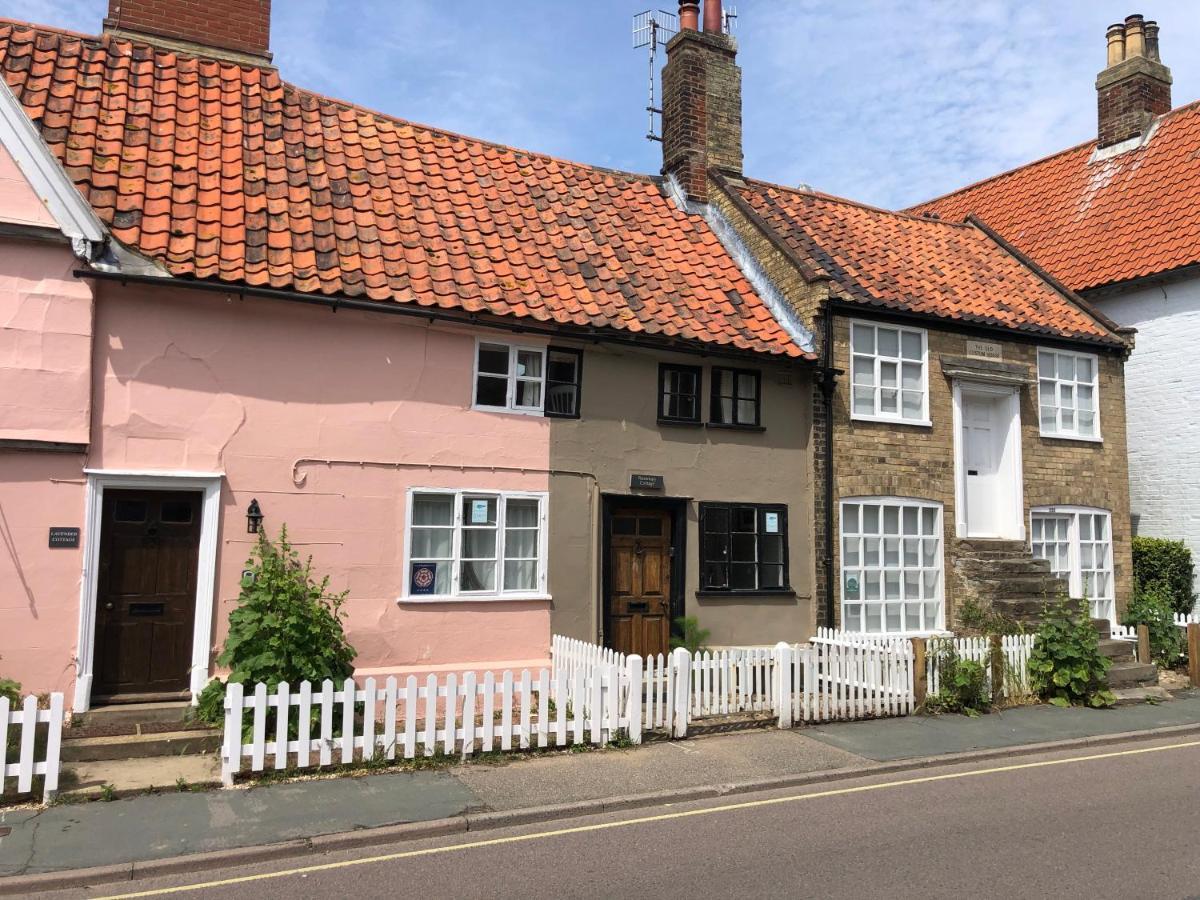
pixel 702 109
pixel 1129 96
pixel 242 25
pixel 889 459
pixel 1163 392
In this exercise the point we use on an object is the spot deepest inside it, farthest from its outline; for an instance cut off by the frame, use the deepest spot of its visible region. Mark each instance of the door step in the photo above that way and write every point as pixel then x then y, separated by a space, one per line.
pixel 105 779
pixel 1135 695
pixel 130 715
pixel 1132 674
pixel 139 746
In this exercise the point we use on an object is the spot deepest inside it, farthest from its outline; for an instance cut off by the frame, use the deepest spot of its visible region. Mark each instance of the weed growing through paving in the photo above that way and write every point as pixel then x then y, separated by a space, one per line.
pixel 108 793
pixel 962 683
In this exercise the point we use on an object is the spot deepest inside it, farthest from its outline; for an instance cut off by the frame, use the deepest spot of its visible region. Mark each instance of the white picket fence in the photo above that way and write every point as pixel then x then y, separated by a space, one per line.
pixel 1129 632
pixel 319 725
pixel 29 760
pixel 826 680
pixel 1016 649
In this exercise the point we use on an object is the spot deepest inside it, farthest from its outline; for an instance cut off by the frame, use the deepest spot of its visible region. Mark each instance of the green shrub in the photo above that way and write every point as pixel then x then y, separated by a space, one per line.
pixel 962 683
pixel 12 690
pixel 1065 665
pixel 287 627
pixel 1151 606
pixel 1168 565
pixel 691 636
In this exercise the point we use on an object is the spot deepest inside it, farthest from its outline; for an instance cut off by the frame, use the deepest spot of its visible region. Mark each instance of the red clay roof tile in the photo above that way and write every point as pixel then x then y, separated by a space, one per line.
pixel 929 266
pixel 226 171
pixel 1091 223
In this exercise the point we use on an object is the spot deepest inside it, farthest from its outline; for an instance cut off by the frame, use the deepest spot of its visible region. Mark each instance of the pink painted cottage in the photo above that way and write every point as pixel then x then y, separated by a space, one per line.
pixel 492 393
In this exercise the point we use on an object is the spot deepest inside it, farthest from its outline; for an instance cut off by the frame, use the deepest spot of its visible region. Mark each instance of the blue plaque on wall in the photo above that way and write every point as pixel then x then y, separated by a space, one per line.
pixel 423 578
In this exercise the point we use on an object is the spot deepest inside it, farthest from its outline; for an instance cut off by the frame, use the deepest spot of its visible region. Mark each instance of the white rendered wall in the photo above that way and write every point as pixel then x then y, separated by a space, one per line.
pixel 1162 395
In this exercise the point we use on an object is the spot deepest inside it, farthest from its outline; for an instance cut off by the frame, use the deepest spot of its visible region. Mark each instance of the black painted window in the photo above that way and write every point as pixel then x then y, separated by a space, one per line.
pixel 679 393
pixel 736 397
pixel 564 375
pixel 743 547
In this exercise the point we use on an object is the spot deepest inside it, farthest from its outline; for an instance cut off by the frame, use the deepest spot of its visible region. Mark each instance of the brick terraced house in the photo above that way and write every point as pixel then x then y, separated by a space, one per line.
pixel 971 407
pixel 1117 218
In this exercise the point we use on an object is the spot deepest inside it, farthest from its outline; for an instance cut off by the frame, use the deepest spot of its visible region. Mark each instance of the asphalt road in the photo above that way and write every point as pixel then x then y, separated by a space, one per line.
pixel 1117 821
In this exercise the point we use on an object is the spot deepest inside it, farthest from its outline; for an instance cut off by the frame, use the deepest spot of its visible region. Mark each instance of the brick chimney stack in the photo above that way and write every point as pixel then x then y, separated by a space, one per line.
pixel 702 101
pixel 1135 88
pixel 238 30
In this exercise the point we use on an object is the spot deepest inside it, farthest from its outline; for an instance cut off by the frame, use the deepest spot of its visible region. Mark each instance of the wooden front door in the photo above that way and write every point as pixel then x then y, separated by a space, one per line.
pixel 638 618
pixel 146 591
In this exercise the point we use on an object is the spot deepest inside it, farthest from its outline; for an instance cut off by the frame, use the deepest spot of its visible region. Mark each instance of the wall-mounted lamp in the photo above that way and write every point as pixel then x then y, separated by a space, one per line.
pixel 254 518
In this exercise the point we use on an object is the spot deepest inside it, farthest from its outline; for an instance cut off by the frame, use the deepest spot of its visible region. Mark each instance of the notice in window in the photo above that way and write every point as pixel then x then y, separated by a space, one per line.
pixel 771 522
pixel 479 512
pixel 423 578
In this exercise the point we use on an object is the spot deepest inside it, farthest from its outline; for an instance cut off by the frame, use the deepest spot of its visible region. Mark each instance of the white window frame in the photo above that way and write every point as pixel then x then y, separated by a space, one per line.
pixel 1102 607
pixel 1074 434
pixel 511 391
pixel 457 496
pixel 898 416
pixel 939 624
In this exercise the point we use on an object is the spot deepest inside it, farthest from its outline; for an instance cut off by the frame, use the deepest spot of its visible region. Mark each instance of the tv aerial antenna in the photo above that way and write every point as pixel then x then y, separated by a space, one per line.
pixel 652 29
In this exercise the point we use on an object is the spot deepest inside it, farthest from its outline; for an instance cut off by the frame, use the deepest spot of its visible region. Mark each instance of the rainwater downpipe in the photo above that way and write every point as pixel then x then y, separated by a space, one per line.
pixel 828 386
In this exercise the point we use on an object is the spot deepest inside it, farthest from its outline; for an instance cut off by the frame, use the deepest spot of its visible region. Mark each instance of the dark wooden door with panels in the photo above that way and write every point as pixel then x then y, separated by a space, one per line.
pixel 146 592
pixel 638 605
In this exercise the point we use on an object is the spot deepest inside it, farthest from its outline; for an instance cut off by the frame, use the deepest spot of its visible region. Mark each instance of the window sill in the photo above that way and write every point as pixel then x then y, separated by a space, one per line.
pixel 681 423
pixel 731 427
pixel 479 598
pixel 1072 437
pixel 504 409
pixel 891 420
pixel 779 593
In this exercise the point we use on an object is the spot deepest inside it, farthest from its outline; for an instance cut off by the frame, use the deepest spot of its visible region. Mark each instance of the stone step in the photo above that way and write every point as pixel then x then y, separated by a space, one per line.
pixel 139 746
pixel 1022 609
pixel 1103 628
pixel 1021 586
pixel 1118 651
pixel 1132 674
pixel 87 780
pixel 1004 567
pixel 990 545
pixel 130 715
pixel 1135 695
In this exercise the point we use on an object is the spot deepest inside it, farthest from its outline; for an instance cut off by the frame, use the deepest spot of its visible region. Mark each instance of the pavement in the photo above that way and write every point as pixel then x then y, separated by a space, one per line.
pixel 128 834
pixel 1043 825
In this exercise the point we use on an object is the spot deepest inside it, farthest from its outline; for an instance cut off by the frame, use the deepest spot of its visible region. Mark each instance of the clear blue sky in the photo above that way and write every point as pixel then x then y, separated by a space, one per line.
pixel 885 101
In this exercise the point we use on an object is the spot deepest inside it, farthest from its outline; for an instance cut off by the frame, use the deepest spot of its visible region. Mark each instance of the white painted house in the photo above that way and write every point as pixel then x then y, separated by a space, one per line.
pixel 1117 219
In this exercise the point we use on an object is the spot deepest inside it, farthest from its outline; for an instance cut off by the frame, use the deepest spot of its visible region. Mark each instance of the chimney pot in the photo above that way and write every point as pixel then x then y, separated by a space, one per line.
pixel 1152 41
pixel 1116 43
pixel 713 17
pixel 689 15
pixel 1135 36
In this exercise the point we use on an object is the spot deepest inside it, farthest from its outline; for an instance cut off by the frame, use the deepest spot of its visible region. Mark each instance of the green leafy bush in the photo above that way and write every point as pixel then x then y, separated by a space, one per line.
pixel 12 690
pixel 1167 565
pixel 691 636
pixel 962 683
pixel 1151 606
pixel 1065 665
pixel 287 627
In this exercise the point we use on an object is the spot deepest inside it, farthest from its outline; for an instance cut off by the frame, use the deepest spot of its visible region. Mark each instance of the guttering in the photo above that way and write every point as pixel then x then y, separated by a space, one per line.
pixel 593 334
pixel 928 320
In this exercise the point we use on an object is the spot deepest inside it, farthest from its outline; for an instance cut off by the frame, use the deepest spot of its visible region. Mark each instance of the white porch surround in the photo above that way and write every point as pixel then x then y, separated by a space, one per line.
pixel 1009 518
pixel 98 480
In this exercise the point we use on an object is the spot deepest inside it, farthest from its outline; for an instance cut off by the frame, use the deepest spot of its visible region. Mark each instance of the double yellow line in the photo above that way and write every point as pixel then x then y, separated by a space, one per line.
pixel 643 820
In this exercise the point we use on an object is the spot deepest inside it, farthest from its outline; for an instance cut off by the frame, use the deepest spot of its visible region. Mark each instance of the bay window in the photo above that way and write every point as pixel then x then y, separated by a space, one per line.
pixel 475 543
pixel 891 565
pixel 1077 541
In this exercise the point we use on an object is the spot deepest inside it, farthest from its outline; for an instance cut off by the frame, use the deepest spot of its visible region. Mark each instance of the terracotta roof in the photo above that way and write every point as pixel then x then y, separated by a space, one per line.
pixel 1096 223
pixel 898 261
pixel 226 172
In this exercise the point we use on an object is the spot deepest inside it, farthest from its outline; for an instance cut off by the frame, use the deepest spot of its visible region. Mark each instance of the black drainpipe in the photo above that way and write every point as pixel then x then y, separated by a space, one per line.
pixel 828 386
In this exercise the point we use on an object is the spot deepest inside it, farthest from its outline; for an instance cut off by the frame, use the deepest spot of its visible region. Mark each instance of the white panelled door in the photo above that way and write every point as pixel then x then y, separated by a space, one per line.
pixel 987 469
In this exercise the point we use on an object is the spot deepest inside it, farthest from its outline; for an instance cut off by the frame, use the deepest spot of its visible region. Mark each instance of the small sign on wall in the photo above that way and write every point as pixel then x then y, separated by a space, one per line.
pixel 984 350
pixel 646 482
pixel 423 578
pixel 63 537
